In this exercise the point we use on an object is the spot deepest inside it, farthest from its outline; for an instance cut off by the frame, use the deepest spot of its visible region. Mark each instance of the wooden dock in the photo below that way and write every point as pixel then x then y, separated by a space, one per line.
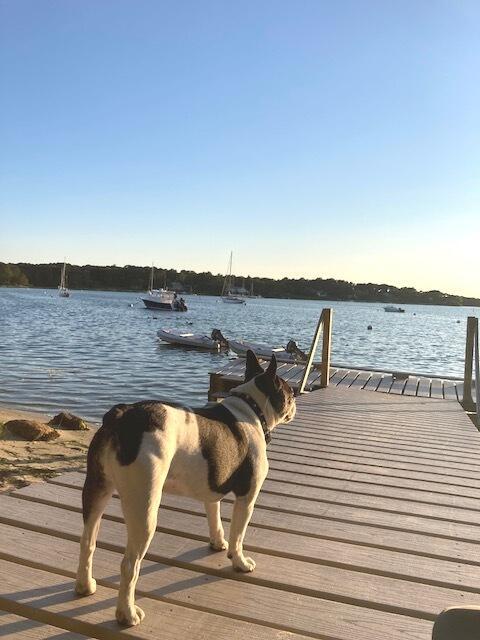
pixel 367 527
pixel 398 383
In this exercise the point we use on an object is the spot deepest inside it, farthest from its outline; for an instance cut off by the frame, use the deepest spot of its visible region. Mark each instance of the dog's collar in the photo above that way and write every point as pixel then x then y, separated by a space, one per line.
pixel 259 413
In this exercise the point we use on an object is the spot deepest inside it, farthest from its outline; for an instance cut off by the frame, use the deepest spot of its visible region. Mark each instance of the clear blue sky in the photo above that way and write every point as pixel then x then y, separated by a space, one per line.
pixel 313 138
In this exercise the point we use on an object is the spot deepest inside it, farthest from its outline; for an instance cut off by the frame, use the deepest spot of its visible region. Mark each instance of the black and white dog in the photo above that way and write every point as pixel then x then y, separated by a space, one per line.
pixel 148 447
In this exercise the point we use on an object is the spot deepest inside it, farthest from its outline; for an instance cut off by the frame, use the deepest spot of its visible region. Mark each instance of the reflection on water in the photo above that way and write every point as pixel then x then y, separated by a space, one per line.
pixel 89 351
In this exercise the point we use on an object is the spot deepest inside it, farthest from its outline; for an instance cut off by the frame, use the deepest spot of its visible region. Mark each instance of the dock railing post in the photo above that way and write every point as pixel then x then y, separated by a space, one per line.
pixel 477 375
pixel 326 347
pixel 324 321
pixel 472 332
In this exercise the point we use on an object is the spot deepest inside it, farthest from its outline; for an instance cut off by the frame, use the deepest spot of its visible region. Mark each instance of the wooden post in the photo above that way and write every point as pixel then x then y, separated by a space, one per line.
pixel 325 321
pixel 477 374
pixel 326 347
pixel 472 324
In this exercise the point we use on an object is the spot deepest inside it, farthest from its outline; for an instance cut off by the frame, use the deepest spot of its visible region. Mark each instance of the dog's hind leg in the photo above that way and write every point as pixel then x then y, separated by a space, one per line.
pixel 140 487
pixel 96 492
pixel 217 535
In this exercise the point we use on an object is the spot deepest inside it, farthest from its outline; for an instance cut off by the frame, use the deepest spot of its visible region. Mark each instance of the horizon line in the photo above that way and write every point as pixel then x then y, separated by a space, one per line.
pixel 278 279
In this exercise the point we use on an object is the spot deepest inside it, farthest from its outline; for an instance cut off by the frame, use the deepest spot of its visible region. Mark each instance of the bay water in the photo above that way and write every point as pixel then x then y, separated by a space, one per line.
pixel 87 352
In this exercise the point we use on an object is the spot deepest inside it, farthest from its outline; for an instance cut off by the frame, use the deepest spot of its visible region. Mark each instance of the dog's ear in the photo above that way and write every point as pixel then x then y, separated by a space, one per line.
pixel 252 367
pixel 272 367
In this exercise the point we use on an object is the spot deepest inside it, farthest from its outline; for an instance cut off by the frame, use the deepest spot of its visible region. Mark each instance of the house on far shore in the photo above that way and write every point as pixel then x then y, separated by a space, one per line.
pixel 179 287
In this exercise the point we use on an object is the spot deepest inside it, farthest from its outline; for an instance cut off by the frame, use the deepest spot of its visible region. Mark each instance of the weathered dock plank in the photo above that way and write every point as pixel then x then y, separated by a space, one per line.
pixel 13 626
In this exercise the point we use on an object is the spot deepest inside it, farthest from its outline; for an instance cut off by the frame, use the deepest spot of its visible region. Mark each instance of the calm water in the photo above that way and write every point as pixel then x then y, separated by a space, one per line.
pixel 87 352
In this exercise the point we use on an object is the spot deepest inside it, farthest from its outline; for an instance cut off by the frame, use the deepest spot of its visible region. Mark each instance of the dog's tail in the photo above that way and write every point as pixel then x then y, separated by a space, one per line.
pixel 124 425
pixel 112 417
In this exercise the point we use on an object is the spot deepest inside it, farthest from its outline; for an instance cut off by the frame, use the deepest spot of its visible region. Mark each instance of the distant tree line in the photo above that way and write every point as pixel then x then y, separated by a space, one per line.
pixel 132 278
pixel 11 275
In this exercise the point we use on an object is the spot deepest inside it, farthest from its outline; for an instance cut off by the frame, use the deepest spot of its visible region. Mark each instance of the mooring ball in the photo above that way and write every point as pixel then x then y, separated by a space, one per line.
pixel 369 327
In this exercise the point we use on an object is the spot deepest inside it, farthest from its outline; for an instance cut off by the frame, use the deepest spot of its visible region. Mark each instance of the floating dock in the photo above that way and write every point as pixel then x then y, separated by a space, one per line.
pixel 367 527
pixel 398 383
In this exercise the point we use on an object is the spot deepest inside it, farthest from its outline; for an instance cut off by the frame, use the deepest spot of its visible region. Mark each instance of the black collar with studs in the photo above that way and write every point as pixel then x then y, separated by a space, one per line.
pixel 259 413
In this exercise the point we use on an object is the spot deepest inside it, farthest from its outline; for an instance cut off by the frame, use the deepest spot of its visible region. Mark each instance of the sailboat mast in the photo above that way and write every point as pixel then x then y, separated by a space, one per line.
pixel 151 278
pixel 226 282
pixel 230 271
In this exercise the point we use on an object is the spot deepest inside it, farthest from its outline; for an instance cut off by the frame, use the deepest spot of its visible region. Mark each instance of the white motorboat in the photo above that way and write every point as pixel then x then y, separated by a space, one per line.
pixel 229 296
pixel 63 291
pixel 214 342
pixel 165 300
pixel 290 353
pixel 390 308
pixel 162 299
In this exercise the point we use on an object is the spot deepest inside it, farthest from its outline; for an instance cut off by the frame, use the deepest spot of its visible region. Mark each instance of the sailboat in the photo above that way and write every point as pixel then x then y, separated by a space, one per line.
pixel 62 287
pixel 227 294
pixel 251 294
pixel 162 298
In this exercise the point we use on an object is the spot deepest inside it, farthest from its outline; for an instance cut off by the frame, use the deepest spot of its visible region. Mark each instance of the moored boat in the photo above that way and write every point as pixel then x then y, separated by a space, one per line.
pixel 290 353
pixel 390 308
pixel 214 342
pixel 162 299
pixel 63 291
pixel 229 296
pixel 165 300
pixel 251 294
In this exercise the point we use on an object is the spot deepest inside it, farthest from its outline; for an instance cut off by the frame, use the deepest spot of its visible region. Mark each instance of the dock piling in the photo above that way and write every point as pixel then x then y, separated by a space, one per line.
pixel 471 363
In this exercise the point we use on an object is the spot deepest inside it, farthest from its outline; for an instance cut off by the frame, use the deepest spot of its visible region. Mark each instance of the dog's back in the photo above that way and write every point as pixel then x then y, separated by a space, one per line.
pixel 208 450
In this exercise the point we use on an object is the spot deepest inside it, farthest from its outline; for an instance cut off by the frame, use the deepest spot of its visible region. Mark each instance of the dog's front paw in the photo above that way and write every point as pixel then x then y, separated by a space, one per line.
pixel 85 587
pixel 130 617
pixel 241 563
pixel 218 545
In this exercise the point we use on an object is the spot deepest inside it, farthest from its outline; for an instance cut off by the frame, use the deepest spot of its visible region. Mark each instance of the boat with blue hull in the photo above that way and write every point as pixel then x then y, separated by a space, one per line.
pixel 162 299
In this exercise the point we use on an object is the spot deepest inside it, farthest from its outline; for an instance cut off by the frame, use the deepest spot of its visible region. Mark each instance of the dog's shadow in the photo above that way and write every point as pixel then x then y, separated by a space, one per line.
pixel 185 565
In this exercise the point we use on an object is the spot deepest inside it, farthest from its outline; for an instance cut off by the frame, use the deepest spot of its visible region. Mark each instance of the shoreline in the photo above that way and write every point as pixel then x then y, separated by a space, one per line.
pixel 23 462
pixel 263 297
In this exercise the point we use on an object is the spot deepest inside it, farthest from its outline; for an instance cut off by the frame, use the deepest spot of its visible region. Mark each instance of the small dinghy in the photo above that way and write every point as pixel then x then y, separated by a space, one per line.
pixel 390 308
pixel 290 353
pixel 179 337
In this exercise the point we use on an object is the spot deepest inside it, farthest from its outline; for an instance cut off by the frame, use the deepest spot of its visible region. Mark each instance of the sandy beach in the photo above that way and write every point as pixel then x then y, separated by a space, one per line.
pixel 23 462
